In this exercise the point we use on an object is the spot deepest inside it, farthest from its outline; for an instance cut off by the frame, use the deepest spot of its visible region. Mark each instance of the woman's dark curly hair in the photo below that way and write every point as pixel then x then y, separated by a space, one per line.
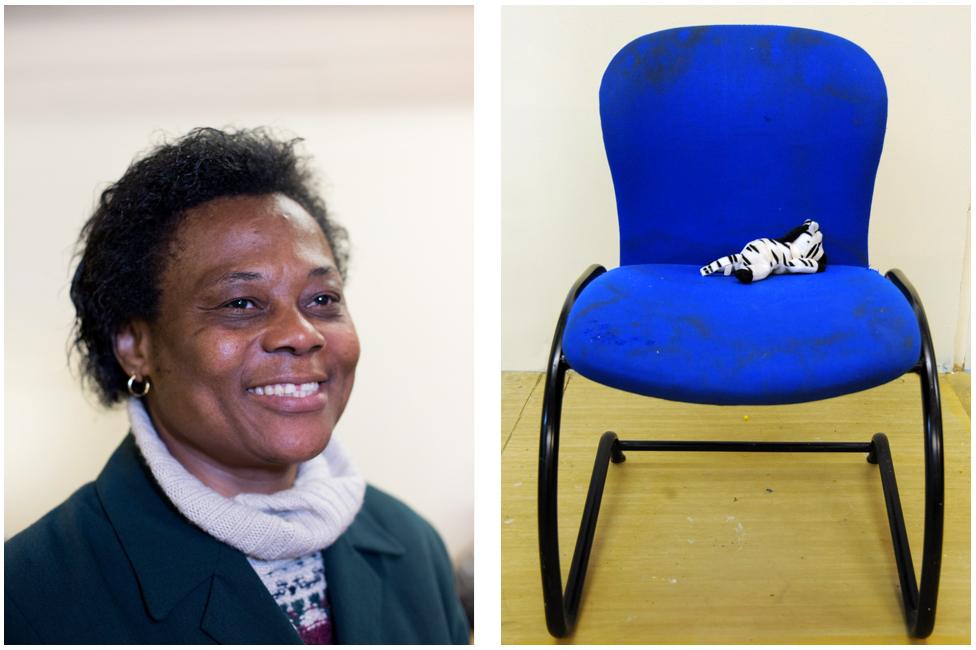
pixel 125 244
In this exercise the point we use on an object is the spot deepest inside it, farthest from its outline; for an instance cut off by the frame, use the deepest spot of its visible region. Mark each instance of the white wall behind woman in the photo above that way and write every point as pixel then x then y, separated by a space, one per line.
pixel 558 209
pixel 383 98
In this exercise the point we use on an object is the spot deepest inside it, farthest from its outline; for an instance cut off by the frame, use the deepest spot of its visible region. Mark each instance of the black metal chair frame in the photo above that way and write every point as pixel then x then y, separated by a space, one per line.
pixel 562 608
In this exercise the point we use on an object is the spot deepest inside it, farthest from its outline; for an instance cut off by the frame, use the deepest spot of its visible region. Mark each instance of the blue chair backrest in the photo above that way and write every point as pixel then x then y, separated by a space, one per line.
pixel 722 134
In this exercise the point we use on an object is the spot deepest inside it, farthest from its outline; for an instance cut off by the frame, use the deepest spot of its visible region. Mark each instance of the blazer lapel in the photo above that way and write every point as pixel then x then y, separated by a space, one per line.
pixel 355 581
pixel 169 556
pixel 172 558
pixel 240 610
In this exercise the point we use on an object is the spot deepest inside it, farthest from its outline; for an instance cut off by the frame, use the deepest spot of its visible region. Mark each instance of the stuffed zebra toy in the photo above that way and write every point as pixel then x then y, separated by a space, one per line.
pixel 799 251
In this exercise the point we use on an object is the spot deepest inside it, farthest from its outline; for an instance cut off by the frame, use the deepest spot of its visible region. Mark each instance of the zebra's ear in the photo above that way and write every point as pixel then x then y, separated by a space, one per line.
pixel 793 234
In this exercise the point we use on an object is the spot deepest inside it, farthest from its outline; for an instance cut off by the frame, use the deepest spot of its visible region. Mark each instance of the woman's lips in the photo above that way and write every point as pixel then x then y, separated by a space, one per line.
pixel 291 397
pixel 286 389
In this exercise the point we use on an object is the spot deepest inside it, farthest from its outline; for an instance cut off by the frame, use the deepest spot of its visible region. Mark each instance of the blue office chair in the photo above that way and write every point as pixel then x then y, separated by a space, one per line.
pixel 716 136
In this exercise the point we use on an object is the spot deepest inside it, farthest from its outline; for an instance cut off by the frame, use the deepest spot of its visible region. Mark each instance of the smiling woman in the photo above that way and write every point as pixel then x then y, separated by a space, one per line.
pixel 209 296
pixel 254 361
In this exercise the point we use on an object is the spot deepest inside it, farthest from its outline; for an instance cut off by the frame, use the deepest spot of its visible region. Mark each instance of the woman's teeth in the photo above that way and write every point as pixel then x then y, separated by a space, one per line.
pixel 287 390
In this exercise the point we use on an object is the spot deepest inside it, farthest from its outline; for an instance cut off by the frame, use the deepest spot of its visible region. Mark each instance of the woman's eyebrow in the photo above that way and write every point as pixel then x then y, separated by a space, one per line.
pixel 320 271
pixel 249 276
pixel 237 276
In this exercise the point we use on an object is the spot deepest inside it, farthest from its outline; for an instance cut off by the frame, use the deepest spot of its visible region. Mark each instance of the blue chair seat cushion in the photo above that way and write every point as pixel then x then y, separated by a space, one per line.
pixel 663 330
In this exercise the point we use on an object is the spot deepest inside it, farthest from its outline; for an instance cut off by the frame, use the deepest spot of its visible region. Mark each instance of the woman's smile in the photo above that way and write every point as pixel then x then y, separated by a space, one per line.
pixel 291 396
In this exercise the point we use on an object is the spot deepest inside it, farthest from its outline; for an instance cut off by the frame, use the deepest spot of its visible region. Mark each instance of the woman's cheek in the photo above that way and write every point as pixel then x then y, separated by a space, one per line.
pixel 347 346
pixel 225 352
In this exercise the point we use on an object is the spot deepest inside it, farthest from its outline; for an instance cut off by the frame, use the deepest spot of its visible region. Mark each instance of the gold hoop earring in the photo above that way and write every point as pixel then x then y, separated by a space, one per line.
pixel 134 384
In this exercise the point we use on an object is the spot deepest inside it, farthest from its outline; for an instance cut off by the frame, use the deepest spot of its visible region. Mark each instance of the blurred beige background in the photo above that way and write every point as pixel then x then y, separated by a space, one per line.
pixel 383 97
pixel 558 210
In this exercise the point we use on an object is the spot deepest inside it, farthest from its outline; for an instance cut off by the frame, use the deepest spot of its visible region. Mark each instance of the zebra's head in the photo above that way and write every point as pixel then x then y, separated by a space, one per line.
pixel 808 242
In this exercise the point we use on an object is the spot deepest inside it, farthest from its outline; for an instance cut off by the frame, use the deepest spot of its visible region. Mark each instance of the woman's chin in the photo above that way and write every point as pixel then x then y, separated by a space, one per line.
pixel 297 447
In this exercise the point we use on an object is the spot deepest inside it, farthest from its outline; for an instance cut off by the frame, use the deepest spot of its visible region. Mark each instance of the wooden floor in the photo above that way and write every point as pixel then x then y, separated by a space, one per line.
pixel 729 547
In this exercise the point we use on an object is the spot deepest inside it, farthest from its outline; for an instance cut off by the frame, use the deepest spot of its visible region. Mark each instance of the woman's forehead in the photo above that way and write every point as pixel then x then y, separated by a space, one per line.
pixel 248 230
pixel 227 211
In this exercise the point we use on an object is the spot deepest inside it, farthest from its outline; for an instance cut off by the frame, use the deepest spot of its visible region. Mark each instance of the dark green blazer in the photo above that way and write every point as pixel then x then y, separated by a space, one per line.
pixel 117 563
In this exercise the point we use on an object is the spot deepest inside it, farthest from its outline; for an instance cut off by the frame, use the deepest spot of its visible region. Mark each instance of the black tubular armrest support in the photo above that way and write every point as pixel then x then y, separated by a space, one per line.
pixel 920 603
pixel 559 618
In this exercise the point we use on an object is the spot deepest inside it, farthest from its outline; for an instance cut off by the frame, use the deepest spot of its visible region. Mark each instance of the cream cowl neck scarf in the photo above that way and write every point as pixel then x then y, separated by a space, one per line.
pixel 305 518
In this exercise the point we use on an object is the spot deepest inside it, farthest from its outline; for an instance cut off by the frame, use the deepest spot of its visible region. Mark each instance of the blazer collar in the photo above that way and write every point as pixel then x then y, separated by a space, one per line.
pixel 171 557
pixel 365 534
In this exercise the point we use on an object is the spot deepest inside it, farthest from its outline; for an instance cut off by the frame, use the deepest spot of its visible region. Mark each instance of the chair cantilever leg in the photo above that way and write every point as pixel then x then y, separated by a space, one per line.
pixel 934 496
pixel 919 604
pixel 561 610
pixel 881 454
pixel 557 619
pixel 921 618
pixel 608 447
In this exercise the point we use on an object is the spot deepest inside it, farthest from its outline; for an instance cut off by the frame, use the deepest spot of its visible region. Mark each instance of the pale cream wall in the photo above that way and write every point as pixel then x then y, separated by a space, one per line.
pixel 383 97
pixel 558 210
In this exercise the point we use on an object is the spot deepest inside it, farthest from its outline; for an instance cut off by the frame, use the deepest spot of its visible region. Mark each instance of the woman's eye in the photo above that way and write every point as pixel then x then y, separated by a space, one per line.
pixel 240 303
pixel 325 300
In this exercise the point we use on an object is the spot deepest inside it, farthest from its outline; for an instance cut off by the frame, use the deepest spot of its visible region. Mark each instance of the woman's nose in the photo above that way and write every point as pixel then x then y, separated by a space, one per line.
pixel 291 331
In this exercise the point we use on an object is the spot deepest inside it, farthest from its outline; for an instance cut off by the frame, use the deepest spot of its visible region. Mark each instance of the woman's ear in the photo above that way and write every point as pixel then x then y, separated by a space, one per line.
pixel 133 349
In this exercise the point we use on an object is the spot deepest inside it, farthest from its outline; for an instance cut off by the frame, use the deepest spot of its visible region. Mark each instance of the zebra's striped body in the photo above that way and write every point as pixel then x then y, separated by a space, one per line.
pixel 799 251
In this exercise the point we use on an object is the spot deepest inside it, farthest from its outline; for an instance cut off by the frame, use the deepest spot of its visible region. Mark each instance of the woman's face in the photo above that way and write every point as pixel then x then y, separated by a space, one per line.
pixel 253 353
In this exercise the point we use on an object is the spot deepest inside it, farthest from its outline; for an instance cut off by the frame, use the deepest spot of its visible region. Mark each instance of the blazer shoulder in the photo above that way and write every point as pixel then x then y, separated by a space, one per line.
pixel 425 566
pixel 54 561
pixel 68 527
pixel 396 517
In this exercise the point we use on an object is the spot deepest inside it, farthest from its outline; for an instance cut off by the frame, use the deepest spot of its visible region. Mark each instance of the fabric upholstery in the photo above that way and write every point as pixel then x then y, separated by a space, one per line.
pixel 665 331
pixel 718 135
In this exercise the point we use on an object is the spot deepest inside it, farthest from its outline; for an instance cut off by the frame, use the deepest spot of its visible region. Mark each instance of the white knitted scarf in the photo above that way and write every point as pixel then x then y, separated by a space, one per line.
pixel 305 518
